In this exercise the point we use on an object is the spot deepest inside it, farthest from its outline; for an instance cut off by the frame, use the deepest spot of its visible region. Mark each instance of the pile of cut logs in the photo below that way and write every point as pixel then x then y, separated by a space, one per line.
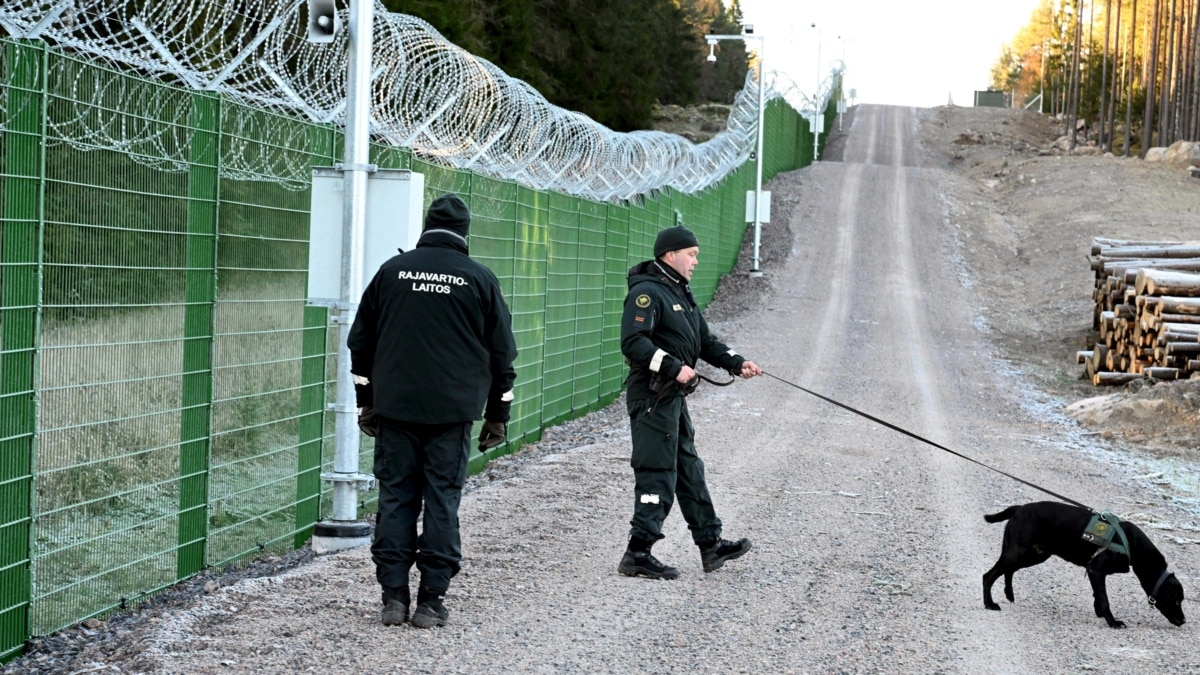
pixel 1147 311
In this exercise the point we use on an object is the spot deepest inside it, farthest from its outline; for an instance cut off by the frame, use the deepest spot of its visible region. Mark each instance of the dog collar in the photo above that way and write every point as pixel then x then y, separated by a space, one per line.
pixel 1153 598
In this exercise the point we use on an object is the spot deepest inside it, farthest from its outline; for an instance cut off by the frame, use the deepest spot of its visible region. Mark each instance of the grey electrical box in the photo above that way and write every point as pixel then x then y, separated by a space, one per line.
pixel 394 219
pixel 764 209
pixel 991 99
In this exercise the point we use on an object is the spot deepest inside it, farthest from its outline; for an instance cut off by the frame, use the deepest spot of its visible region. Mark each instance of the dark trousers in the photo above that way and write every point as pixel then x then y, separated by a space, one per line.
pixel 419 464
pixel 666 468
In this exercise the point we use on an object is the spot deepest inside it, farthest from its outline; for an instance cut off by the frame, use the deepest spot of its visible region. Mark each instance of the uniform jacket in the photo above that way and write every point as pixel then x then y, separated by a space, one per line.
pixel 662 329
pixel 434 337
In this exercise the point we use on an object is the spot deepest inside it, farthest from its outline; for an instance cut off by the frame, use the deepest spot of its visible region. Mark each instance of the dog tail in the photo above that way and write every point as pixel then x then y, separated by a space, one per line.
pixel 1003 515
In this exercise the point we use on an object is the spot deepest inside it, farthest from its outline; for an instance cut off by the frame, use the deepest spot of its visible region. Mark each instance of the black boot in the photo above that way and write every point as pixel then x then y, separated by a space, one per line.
pixel 430 610
pixel 395 606
pixel 638 562
pixel 713 555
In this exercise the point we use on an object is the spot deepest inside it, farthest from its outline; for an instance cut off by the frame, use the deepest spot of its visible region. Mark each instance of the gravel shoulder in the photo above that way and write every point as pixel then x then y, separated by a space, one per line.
pixel 936 283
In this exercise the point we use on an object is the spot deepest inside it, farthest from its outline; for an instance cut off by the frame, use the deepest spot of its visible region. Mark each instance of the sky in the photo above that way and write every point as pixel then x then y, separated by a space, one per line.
pixel 921 53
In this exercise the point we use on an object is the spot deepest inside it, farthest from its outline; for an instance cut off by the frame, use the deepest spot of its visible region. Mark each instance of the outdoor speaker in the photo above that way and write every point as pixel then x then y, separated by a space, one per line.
pixel 323 20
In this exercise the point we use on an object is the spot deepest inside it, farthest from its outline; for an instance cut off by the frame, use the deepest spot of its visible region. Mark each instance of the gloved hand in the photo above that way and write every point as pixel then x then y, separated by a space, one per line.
pixel 492 434
pixel 368 421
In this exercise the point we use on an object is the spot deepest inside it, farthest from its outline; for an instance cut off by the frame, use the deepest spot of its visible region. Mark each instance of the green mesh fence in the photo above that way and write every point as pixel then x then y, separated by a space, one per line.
pixel 163 382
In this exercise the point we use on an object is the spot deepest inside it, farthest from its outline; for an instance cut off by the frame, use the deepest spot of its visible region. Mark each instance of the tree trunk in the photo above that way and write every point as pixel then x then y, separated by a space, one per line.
pixel 1167 282
pixel 1115 93
pixel 1172 305
pixel 1151 70
pixel 1129 77
pixel 1114 379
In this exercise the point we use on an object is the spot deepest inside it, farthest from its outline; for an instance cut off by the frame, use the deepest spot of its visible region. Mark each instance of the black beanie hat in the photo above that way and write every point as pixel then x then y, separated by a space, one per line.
pixel 449 212
pixel 673 239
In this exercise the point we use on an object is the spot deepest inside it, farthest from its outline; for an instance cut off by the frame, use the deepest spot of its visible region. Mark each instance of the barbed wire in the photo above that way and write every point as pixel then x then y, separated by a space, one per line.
pixel 449 106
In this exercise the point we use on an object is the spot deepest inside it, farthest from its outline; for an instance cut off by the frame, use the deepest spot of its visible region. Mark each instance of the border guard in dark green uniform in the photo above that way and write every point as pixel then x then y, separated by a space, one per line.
pixel 663 335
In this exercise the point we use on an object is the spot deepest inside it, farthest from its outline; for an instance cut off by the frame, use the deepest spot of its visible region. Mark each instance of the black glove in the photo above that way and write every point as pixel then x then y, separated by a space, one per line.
pixel 368 421
pixel 492 434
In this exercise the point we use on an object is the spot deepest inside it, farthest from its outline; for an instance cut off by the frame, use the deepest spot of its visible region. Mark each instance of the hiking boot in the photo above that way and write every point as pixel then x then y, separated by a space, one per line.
pixel 395 606
pixel 715 555
pixel 430 610
pixel 643 564
pixel 430 614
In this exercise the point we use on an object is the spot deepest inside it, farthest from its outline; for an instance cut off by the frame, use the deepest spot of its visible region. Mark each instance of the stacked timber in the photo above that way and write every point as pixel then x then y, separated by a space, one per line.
pixel 1147 311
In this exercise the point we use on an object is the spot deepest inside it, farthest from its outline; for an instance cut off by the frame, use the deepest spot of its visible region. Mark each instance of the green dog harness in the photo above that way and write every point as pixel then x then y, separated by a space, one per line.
pixel 1100 530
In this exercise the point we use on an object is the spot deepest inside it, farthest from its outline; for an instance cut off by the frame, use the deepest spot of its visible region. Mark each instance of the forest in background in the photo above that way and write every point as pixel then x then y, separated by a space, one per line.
pixel 611 61
pixel 1128 68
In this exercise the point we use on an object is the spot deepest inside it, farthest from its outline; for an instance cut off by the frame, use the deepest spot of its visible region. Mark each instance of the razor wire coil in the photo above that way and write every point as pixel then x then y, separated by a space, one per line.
pixel 445 104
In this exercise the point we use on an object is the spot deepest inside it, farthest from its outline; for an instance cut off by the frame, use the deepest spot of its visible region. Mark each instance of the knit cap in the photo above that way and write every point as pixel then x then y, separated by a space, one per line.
pixel 449 212
pixel 673 239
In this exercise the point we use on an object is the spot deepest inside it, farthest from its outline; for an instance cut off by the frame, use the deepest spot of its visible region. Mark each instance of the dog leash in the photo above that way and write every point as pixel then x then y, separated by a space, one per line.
pixel 939 446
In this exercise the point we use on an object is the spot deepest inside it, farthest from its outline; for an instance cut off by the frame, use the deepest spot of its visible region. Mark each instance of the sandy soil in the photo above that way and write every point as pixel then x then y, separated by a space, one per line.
pixel 932 272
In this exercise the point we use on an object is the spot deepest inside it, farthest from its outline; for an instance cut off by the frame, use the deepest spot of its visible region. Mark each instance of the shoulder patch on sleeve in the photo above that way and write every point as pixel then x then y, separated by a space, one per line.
pixel 642 301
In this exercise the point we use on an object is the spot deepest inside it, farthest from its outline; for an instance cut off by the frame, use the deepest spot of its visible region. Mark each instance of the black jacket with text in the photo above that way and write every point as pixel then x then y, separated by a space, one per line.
pixel 662 329
pixel 434 336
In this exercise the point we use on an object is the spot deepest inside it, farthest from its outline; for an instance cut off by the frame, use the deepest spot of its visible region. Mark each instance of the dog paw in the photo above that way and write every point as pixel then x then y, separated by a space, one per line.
pixel 1113 623
pixel 992 606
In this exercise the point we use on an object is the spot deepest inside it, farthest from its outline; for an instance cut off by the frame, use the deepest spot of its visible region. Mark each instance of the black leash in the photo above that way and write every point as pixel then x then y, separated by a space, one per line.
pixel 926 440
pixel 719 384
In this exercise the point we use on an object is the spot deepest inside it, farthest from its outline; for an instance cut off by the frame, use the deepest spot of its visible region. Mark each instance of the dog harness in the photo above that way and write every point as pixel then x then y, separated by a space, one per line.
pixel 1100 530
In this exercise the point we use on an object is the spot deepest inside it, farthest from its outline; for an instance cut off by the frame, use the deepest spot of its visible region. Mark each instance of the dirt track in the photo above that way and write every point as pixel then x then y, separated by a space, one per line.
pixel 868 546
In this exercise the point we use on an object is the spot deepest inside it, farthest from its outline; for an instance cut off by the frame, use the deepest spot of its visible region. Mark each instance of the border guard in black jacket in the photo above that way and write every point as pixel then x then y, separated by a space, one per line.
pixel 431 346
pixel 663 335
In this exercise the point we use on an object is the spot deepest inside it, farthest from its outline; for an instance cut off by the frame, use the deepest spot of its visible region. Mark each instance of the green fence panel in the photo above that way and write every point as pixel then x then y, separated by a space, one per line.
pixel 311 423
pixel 493 242
pixel 562 294
pixel 21 177
pixel 115 308
pixel 616 272
pixel 589 306
pixel 732 206
pixel 259 337
pixel 315 390
pixel 528 305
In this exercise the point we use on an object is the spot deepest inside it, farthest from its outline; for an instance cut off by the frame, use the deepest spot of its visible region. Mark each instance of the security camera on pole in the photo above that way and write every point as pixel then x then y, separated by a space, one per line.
pixel 758 203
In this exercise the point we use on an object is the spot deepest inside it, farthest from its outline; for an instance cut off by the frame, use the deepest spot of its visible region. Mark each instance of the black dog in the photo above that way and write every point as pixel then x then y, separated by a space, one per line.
pixel 1036 531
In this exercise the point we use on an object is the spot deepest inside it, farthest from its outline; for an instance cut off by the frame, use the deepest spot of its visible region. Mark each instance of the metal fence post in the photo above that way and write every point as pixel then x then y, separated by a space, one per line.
pixel 21 192
pixel 195 421
pixel 312 385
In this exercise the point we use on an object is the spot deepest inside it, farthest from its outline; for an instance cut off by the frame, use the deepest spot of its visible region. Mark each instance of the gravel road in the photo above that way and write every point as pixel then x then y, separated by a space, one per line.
pixel 868 546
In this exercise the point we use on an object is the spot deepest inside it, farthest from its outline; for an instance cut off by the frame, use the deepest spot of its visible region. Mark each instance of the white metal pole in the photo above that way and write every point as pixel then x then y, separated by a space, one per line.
pixel 355 168
pixel 816 97
pixel 758 153
pixel 755 271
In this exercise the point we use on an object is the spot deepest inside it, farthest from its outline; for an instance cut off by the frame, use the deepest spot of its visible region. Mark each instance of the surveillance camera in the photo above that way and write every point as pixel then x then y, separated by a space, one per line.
pixel 748 29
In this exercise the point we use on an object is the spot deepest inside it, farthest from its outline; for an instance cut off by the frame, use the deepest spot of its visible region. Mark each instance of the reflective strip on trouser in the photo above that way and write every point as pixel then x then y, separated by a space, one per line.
pixel 417 463
pixel 666 468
